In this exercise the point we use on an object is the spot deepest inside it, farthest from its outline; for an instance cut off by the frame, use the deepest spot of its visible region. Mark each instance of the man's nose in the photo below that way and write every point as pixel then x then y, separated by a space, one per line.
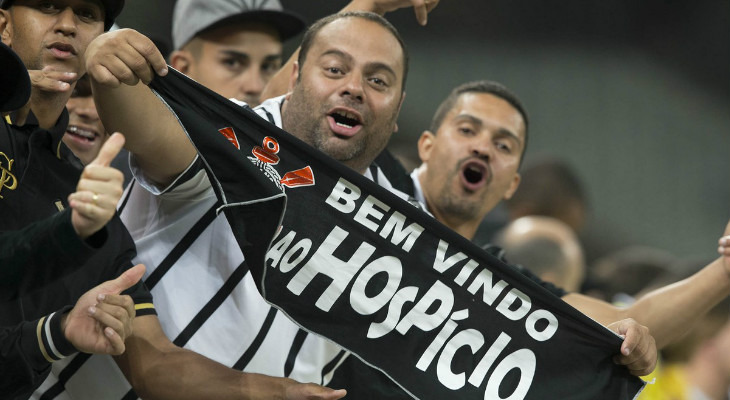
pixel 353 86
pixel 252 83
pixel 66 22
pixel 482 147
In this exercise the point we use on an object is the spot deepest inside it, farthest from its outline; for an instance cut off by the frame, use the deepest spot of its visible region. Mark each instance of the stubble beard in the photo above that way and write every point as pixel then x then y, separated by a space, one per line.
pixel 453 203
pixel 315 131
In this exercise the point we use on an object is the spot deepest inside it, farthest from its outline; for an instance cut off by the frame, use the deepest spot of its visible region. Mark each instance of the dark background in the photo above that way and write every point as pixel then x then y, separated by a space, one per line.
pixel 634 94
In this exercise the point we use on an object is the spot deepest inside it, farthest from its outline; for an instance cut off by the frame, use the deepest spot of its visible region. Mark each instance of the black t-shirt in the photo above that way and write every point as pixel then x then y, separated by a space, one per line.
pixel 36 178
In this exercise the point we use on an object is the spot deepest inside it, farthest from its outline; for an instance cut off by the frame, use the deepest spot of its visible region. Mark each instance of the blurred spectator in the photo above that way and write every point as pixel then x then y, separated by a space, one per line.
pixel 85 134
pixel 551 188
pixel 620 276
pixel 548 247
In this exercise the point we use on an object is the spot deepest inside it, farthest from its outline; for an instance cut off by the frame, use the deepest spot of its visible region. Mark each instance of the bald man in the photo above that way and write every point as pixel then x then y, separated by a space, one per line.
pixel 548 246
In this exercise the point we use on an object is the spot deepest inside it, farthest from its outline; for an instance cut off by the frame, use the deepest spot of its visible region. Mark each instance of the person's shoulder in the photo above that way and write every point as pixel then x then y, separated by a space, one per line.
pixel 270 110
pixel 5 129
pixel 375 173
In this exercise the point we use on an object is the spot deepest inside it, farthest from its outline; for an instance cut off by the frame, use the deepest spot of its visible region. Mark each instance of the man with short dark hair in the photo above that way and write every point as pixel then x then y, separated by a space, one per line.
pixel 470 161
pixel 346 109
pixel 38 181
pixel 41 253
pixel 165 223
pixel 52 36
pixel 344 99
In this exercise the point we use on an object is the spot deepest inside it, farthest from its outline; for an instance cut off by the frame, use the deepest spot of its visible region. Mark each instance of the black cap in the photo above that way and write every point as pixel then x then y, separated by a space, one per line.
pixel 14 80
pixel 112 9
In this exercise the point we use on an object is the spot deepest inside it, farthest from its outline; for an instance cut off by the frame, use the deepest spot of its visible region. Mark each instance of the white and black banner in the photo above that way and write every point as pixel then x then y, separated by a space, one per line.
pixel 348 260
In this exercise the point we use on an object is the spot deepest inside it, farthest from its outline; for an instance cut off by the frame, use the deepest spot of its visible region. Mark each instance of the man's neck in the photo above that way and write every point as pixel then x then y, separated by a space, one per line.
pixel 46 108
pixel 465 228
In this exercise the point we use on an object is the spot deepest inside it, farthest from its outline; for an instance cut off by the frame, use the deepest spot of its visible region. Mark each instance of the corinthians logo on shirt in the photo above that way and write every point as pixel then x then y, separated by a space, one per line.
pixel 266 156
pixel 7 179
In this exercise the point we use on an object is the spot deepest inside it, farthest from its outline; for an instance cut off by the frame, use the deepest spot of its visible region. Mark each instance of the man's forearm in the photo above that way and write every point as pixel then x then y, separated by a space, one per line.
pixel 151 131
pixel 668 312
pixel 159 370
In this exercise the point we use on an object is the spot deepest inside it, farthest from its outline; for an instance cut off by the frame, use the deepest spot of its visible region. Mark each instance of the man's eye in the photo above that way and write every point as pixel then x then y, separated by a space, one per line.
pixel 89 14
pixel 504 147
pixel 271 68
pixel 466 131
pixel 334 70
pixel 47 6
pixel 379 82
pixel 232 63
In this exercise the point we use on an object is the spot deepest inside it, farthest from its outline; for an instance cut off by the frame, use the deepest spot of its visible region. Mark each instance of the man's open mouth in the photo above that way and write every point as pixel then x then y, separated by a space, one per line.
pixel 345 119
pixel 474 174
pixel 344 123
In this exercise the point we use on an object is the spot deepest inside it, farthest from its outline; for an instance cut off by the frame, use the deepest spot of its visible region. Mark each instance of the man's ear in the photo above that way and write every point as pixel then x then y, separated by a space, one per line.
pixel 6 28
pixel 181 60
pixel 425 145
pixel 513 186
pixel 400 104
pixel 294 76
pixel 293 79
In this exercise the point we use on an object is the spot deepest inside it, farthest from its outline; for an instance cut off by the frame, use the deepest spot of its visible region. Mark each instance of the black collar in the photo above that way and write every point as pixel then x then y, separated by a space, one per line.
pixel 55 134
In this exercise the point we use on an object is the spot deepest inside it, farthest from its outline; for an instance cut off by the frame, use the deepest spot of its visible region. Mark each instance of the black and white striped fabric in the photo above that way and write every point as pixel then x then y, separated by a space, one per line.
pixel 204 295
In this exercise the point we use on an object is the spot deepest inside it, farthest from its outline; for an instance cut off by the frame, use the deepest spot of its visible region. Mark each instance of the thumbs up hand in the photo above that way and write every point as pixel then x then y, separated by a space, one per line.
pixel 102 318
pixel 98 191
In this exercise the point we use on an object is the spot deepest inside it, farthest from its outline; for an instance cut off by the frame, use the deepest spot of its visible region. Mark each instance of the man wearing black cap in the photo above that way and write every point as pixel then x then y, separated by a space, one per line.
pixel 231 46
pixel 52 36
pixel 39 324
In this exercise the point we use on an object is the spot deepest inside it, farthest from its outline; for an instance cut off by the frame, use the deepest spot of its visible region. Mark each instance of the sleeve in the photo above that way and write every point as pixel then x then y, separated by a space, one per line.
pixel 124 252
pixel 190 172
pixel 142 297
pixel 41 253
pixel 27 351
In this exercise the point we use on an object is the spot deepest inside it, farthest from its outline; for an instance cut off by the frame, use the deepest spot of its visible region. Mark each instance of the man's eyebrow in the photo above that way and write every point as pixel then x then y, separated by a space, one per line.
pixel 273 57
pixel 336 53
pixel 509 135
pixel 500 131
pixel 372 66
pixel 234 53
pixel 378 66
pixel 469 118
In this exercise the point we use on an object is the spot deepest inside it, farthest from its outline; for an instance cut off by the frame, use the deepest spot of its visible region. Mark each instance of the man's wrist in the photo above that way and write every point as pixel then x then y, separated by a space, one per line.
pixel 725 266
pixel 63 346
pixel 43 341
